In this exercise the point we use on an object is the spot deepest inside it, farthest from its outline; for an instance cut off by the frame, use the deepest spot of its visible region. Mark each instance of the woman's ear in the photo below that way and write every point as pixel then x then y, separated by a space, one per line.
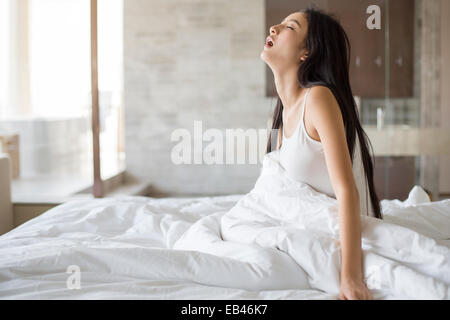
pixel 304 57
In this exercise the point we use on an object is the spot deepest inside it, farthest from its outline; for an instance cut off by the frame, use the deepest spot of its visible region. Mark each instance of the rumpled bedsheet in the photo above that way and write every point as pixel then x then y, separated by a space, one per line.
pixel 289 233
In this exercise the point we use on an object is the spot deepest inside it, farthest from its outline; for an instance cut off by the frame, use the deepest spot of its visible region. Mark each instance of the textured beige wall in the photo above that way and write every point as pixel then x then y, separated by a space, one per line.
pixel 191 60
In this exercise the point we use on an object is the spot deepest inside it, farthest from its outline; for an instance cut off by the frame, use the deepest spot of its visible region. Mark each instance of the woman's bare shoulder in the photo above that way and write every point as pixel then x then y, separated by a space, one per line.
pixel 322 102
pixel 321 92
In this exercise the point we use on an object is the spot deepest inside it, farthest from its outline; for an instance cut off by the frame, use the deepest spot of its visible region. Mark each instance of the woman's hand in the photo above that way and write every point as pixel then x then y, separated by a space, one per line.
pixel 354 289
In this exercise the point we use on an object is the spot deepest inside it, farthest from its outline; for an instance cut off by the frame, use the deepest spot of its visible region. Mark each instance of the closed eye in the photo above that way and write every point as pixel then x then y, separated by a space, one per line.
pixel 291 28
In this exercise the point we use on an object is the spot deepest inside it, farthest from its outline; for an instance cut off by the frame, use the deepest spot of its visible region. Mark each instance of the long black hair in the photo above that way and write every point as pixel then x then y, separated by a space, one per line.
pixel 327 64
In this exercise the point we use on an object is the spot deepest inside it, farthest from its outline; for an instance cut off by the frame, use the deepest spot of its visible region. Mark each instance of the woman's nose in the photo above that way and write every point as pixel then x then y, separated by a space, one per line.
pixel 273 30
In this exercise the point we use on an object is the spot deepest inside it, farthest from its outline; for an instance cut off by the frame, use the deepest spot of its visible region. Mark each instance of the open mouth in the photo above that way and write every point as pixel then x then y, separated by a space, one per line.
pixel 269 43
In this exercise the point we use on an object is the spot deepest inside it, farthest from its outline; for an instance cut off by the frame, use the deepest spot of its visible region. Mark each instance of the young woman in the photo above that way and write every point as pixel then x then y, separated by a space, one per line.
pixel 318 127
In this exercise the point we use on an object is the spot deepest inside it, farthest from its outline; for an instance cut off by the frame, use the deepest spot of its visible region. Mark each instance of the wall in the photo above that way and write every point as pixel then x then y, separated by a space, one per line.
pixel 217 77
pixel 191 60
pixel 430 91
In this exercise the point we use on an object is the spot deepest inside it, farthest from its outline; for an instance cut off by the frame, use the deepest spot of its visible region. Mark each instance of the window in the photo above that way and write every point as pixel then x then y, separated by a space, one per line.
pixel 45 96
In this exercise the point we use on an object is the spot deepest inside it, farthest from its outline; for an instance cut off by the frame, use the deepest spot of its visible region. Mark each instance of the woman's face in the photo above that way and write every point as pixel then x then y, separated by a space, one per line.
pixel 288 42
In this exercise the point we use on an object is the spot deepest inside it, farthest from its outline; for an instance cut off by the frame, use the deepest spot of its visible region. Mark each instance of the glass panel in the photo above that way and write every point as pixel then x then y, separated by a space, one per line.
pixel 391 120
pixel 45 94
pixel 46 120
pixel 411 141
pixel 5 30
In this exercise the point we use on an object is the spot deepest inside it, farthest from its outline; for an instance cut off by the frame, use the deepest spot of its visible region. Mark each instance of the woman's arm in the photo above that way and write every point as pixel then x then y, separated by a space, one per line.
pixel 352 276
pixel 325 115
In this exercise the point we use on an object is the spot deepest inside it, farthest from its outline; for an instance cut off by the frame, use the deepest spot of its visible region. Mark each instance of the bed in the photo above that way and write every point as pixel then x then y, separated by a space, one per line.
pixel 224 247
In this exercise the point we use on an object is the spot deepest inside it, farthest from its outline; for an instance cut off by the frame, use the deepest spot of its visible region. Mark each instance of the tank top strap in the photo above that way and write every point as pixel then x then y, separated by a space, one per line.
pixel 304 106
pixel 299 128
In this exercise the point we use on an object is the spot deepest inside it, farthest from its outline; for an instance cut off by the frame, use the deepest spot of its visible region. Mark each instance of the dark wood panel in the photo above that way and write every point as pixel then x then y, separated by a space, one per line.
pixel 394 177
pixel 401 32
pixel 367 65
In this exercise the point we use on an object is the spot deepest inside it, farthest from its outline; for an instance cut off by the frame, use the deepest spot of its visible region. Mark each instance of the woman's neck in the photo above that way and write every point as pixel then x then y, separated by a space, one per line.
pixel 288 88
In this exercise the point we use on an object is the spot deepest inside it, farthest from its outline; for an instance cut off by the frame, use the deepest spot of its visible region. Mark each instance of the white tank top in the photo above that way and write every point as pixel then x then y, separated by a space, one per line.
pixel 303 159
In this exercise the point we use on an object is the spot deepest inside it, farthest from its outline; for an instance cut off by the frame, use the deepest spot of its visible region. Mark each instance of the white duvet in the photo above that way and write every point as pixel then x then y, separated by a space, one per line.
pixel 279 241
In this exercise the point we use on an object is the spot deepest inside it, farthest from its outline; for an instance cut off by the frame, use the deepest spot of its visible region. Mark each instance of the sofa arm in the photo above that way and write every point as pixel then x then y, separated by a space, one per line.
pixel 6 207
